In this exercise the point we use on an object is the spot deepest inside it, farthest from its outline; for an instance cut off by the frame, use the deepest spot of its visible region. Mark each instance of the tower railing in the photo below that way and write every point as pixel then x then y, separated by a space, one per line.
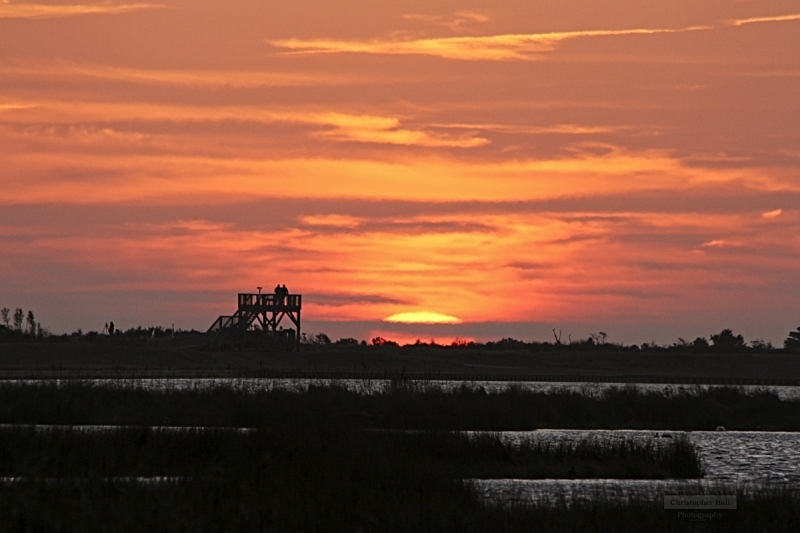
pixel 257 322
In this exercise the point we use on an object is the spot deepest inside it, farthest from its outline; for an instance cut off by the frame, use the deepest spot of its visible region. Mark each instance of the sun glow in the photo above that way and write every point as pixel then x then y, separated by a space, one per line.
pixel 423 317
pixel 408 169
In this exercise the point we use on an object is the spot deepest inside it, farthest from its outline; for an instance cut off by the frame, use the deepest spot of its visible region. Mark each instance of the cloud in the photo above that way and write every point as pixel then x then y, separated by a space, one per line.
pixel 561 129
pixel 182 77
pixel 333 220
pixel 456 22
pixel 10 107
pixel 506 47
pixel 778 18
pixel 526 265
pixel 374 129
pixel 334 125
pixel 772 214
pixel 42 11
pixel 721 243
pixel 340 299
pixel 91 170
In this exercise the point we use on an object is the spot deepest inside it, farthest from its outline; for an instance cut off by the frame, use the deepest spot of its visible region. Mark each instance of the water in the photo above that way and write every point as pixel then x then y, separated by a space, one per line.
pixel 748 461
pixel 733 460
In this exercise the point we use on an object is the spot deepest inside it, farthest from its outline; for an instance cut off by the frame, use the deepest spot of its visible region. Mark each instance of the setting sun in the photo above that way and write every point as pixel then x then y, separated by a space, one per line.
pixel 423 317
pixel 514 167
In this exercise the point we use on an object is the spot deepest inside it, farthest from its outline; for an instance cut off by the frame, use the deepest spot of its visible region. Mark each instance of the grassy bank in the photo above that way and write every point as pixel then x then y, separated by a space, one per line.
pixel 104 357
pixel 316 465
pixel 402 406
pixel 144 452
pixel 252 506
pixel 302 478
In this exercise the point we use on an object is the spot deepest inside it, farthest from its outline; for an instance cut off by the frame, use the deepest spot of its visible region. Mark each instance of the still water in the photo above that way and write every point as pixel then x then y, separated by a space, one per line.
pixel 744 460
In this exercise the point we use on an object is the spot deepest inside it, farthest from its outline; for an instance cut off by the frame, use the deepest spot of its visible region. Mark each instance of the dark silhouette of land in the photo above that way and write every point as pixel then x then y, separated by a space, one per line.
pixel 302 469
pixel 101 356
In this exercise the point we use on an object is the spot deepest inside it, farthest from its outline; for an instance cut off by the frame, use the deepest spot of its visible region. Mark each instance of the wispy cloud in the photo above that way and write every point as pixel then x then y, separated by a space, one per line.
pixel 775 213
pixel 563 129
pixel 333 220
pixel 41 11
pixel 180 77
pixel 721 243
pixel 778 18
pixel 456 22
pixel 331 125
pixel 10 107
pixel 487 48
pixel 361 128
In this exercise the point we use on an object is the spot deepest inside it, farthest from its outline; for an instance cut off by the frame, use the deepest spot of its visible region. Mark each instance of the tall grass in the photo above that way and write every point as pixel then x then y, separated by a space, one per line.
pixel 314 464
pixel 401 407
pixel 145 452
pixel 306 478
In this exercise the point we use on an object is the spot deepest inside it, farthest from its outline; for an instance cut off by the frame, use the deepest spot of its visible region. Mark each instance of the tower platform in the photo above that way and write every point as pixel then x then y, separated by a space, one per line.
pixel 257 323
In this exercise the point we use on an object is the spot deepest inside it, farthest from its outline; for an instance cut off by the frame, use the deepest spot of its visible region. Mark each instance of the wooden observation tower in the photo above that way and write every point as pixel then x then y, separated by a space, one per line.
pixel 256 324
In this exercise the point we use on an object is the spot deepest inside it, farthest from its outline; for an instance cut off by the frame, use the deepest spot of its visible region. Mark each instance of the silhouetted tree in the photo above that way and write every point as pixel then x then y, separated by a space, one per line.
pixel 321 338
pixel 347 341
pixel 700 343
pixel 4 312
pixel 792 342
pixel 31 323
pixel 598 338
pixel 726 339
pixel 761 345
pixel 19 317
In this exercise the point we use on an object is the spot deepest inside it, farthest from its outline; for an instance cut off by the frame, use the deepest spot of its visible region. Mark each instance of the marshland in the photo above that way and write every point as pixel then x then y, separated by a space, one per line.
pixel 410 456
pixel 134 436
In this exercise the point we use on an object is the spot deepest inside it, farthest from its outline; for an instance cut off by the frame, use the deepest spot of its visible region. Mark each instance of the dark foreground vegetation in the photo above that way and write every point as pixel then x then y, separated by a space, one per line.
pixel 331 460
pixel 325 460
pixel 305 477
pixel 145 452
pixel 402 405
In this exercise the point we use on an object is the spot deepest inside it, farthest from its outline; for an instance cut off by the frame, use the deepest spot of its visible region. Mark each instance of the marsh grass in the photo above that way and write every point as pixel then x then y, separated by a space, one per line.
pixel 585 458
pixel 307 478
pixel 56 453
pixel 400 406
pixel 312 465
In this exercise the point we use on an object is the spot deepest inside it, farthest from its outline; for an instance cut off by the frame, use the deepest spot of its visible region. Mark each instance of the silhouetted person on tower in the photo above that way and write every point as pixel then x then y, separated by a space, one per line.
pixel 285 293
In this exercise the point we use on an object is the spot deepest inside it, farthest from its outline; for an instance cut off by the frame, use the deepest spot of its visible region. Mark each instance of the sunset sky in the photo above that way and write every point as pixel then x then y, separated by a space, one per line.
pixel 503 168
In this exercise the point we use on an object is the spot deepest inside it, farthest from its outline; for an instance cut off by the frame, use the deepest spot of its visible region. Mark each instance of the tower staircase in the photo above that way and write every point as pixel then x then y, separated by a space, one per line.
pixel 257 323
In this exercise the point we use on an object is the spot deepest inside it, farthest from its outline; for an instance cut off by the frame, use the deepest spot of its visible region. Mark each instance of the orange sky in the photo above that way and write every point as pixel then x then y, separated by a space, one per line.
pixel 507 166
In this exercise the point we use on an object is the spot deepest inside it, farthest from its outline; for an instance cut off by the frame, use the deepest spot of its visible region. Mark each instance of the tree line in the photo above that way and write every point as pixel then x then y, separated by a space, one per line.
pixel 25 324
pixel 21 323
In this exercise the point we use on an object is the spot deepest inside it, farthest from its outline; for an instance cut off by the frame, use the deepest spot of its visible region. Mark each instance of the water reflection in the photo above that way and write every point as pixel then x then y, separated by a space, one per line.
pixel 747 461
pixel 733 460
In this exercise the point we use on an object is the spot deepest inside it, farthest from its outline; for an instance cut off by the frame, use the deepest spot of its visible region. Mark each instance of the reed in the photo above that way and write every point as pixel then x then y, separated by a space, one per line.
pixel 56 453
pixel 315 462
pixel 308 478
pixel 402 406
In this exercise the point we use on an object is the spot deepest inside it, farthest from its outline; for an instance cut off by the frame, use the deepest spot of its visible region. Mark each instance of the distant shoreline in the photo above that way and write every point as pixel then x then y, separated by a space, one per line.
pixel 54 374
pixel 106 360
